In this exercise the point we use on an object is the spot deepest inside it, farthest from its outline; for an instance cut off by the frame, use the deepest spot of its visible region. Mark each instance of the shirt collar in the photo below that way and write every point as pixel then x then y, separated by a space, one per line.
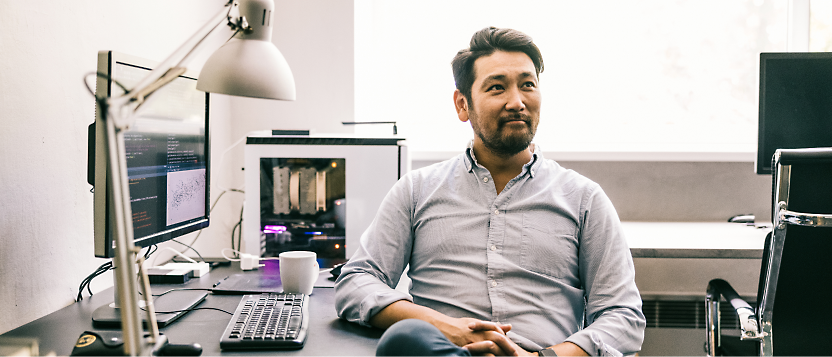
pixel 471 159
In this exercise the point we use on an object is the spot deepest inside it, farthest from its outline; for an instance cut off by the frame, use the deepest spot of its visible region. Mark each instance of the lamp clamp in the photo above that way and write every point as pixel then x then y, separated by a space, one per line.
pixel 239 23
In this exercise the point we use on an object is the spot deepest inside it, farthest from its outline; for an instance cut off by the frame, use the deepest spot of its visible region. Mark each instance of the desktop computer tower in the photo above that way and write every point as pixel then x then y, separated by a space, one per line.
pixel 316 192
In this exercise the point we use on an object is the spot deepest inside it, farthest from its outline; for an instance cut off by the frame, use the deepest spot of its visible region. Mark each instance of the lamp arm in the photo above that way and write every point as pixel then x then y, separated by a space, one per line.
pixel 173 66
pixel 120 112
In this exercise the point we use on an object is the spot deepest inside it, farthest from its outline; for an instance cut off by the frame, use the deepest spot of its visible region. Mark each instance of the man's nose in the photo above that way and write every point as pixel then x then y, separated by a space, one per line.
pixel 514 101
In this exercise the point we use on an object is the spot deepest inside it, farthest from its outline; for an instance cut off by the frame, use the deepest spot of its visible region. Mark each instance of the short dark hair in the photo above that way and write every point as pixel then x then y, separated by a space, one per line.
pixel 484 43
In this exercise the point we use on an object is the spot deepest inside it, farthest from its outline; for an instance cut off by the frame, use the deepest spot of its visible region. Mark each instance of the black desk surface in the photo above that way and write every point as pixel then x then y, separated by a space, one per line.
pixel 328 335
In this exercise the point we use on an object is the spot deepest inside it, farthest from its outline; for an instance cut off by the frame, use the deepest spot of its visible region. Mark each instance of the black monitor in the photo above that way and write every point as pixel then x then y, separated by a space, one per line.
pixel 795 104
pixel 168 164
pixel 167 157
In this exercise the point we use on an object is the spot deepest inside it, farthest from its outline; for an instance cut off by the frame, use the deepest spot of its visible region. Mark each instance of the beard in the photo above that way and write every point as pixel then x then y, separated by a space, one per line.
pixel 505 143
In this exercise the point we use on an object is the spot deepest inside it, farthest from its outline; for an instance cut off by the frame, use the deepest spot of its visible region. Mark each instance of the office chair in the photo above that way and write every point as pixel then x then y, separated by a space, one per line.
pixel 791 317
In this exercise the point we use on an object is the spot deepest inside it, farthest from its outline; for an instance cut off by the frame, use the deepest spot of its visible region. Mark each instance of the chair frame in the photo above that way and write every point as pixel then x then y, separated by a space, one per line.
pixel 758 326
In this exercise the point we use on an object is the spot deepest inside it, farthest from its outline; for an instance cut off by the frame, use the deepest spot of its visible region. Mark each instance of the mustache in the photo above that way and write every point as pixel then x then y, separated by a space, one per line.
pixel 516 116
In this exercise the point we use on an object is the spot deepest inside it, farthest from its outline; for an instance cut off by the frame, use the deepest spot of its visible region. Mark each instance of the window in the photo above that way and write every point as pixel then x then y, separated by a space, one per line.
pixel 621 77
pixel 820 26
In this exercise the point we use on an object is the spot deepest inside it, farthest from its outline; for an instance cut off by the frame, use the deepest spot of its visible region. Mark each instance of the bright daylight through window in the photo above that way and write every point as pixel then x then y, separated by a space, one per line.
pixel 620 76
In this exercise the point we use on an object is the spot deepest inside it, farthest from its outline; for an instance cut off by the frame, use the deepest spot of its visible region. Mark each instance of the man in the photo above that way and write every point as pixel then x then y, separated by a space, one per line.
pixel 509 253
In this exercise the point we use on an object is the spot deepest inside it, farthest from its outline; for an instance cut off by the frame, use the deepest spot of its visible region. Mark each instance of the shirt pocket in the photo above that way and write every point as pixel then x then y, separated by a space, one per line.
pixel 549 247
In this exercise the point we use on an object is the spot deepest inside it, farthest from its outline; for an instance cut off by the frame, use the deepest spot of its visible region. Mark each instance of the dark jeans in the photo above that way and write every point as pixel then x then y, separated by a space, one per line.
pixel 416 338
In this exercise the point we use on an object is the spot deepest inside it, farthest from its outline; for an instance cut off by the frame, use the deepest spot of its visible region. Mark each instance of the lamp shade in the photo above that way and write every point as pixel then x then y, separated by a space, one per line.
pixel 248 68
pixel 249 65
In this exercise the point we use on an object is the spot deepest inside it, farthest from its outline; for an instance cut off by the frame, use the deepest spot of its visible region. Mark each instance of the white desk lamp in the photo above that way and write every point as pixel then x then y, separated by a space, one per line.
pixel 248 65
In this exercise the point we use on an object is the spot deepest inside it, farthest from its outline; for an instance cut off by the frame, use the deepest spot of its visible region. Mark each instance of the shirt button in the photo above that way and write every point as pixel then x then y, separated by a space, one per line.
pixel 493 247
pixel 485 179
pixel 496 211
pixel 494 283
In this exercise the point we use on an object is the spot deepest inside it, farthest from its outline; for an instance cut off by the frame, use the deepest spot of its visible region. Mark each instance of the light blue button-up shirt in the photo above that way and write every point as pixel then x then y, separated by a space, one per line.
pixel 546 255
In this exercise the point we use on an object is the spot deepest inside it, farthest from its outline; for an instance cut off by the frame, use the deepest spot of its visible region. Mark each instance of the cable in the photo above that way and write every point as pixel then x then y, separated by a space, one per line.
pixel 150 250
pixel 86 282
pixel 238 253
pixel 189 310
pixel 102 75
pixel 191 248
pixel 239 226
pixel 230 259
pixel 240 231
pixel 234 248
pixel 178 289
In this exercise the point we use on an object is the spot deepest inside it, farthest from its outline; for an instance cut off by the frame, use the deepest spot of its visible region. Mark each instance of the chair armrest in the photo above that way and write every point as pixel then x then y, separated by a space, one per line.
pixel 785 216
pixel 748 320
pixel 809 155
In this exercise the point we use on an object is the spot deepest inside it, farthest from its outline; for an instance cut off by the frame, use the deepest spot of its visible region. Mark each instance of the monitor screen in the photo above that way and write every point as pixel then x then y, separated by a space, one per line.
pixel 167 151
pixel 795 104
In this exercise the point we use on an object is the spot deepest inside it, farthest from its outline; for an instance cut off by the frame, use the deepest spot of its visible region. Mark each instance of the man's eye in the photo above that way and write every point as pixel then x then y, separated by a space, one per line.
pixel 529 84
pixel 495 87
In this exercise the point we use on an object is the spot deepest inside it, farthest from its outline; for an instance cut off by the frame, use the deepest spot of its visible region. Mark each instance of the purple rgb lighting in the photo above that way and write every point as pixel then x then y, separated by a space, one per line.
pixel 274 229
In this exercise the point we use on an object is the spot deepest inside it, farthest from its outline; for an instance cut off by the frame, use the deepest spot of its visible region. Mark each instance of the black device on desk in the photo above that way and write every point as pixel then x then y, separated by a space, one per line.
pixel 169 307
pixel 111 343
pixel 268 321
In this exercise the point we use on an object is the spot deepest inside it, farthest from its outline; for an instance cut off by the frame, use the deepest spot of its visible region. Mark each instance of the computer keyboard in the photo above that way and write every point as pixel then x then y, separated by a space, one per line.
pixel 268 321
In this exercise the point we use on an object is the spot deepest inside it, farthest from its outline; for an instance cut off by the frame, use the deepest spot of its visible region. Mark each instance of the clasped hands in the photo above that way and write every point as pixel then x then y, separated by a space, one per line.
pixel 483 338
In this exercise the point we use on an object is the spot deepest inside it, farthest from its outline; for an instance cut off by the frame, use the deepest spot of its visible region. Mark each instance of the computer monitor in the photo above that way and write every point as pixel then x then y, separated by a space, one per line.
pixel 168 169
pixel 167 157
pixel 795 104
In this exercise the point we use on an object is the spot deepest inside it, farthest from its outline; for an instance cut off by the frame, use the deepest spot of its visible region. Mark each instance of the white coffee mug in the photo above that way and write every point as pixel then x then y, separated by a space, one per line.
pixel 298 271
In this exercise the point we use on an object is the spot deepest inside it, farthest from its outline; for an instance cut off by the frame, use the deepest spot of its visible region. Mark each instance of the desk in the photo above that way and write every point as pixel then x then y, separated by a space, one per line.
pixel 675 260
pixel 328 334
pixel 717 240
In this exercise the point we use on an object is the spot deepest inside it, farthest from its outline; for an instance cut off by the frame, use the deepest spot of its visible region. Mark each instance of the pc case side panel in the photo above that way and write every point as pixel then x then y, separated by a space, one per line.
pixel 371 170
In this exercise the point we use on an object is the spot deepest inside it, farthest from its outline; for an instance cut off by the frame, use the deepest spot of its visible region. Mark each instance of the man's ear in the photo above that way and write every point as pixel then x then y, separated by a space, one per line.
pixel 461 104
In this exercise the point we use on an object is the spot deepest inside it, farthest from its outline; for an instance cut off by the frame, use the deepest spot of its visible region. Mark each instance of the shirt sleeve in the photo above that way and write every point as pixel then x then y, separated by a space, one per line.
pixel 367 282
pixel 615 321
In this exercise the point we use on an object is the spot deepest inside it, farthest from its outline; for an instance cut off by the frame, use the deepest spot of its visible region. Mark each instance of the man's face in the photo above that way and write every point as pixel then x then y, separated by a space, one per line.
pixel 505 102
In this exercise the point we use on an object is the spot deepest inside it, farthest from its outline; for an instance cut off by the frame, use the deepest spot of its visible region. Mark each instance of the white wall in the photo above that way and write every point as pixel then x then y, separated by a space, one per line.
pixel 316 37
pixel 46 214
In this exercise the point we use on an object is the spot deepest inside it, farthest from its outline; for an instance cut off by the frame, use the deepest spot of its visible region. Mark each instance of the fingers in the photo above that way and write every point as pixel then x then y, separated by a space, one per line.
pixel 494 343
pixel 489 326
pixel 504 344
pixel 480 348
pixel 484 348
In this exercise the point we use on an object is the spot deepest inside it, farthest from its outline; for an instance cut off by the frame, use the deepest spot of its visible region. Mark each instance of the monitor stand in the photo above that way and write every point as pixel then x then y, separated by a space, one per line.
pixel 178 300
